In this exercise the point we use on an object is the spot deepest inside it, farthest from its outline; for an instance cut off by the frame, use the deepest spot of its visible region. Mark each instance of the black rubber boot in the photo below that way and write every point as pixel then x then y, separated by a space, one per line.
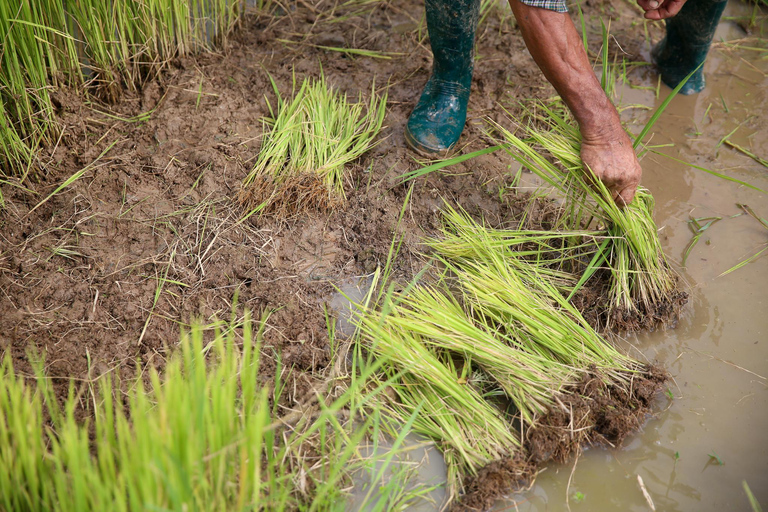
pixel 685 47
pixel 438 119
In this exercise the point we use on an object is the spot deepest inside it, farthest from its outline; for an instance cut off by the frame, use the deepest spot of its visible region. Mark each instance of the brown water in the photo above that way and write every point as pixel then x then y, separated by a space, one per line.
pixel 718 354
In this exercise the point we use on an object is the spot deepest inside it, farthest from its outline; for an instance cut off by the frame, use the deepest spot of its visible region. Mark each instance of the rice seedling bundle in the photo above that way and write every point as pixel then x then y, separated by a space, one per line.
pixel 629 246
pixel 470 432
pixel 311 139
pixel 497 307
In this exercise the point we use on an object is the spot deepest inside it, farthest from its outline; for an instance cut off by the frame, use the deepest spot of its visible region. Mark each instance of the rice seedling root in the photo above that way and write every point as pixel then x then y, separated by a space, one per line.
pixel 592 413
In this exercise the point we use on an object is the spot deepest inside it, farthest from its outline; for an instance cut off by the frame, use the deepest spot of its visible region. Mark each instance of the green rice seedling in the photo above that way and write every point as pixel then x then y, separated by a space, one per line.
pixel 312 138
pixel 640 274
pixel 468 430
pixel 125 41
pixel 201 436
pixel 36 54
pixel 48 43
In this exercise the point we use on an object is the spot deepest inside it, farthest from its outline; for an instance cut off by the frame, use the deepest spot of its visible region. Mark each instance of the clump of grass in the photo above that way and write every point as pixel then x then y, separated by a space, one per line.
pixel 128 41
pixel 313 136
pixel 36 54
pixel 204 435
pixel 630 248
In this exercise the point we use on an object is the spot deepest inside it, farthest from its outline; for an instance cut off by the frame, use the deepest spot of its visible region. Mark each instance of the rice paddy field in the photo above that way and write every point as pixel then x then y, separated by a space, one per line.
pixel 226 283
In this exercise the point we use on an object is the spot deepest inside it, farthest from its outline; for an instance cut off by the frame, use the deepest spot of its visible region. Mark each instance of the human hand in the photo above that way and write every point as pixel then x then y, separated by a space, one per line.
pixel 660 9
pixel 613 161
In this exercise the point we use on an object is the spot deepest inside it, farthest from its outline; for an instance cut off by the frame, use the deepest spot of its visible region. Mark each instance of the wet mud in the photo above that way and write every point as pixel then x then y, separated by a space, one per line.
pixel 592 414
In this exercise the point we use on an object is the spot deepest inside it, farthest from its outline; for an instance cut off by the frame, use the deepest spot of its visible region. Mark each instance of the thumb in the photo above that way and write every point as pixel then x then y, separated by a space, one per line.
pixel 626 196
pixel 649 5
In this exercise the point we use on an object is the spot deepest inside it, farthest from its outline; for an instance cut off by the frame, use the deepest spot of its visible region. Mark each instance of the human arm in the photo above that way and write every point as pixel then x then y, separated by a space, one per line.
pixel 557 48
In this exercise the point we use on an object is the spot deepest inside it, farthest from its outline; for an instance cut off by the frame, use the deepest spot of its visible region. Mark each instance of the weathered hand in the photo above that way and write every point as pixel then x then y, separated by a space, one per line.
pixel 660 9
pixel 612 159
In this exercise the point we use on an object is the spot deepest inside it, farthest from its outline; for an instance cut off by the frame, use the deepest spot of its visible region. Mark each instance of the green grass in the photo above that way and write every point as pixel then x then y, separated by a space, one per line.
pixel 104 46
pixel 202 435
pixel 312 138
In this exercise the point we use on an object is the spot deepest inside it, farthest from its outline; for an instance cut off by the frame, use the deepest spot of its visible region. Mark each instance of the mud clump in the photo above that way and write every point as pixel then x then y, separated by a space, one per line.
pixel 592 413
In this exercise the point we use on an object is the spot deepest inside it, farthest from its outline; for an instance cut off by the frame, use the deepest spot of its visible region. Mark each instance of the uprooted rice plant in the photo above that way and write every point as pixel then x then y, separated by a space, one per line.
pixel 624 242
pixel 313 136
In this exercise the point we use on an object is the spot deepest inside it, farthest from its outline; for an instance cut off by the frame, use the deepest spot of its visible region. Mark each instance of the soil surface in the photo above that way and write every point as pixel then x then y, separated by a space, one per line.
pixel 105 273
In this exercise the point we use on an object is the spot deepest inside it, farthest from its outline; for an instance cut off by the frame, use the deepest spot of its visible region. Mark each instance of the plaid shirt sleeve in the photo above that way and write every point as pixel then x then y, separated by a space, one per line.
pixel 552 5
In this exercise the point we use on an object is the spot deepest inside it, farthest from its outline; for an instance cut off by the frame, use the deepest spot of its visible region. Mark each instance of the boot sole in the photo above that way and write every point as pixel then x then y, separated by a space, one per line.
pixel 426 151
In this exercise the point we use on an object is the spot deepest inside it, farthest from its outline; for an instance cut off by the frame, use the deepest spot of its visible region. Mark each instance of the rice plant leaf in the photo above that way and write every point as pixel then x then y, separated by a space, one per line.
pixel 709 171
pixel 716 458
pixel 752 213
pixel 662 108
pixel 761 161
pixel 410 175
pixel 698 230
pixel 743 263
pixel 597 261
pixel 751 497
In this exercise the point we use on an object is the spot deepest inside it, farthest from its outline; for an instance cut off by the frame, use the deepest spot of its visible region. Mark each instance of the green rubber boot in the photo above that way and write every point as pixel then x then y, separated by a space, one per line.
pixel 685 47
pixel 437 121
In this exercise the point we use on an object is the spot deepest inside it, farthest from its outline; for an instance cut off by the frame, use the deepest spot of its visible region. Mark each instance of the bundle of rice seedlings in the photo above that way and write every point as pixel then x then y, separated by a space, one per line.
pixel 641 278
pixel 469 431
pixel 313 137
pixel 520 291
pixel 498 307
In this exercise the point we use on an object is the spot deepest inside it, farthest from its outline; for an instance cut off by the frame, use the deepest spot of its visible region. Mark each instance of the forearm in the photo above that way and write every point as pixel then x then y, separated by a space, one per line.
pixel 557 48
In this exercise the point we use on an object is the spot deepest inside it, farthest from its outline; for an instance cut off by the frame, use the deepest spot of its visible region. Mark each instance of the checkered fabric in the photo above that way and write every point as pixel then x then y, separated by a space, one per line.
pixel 552 5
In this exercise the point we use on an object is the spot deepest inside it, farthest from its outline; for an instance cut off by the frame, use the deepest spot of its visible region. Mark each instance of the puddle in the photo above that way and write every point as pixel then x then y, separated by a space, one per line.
pixel 417 462
pixel 351 291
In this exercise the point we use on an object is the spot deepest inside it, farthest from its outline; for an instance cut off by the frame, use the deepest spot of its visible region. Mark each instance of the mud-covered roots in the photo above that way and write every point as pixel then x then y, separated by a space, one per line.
pixel 592 302
pixel 302 193
pixel 592 413
pixel 595 412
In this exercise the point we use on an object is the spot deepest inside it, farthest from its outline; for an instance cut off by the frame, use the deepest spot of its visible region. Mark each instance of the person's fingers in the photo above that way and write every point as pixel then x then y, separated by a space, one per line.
pixel 626 196
pixel 670 8
pixel 666 9
pixel 648 5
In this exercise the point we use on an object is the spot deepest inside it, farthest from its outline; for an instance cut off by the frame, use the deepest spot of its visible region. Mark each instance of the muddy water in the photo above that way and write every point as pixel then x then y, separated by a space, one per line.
pixel 718 354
